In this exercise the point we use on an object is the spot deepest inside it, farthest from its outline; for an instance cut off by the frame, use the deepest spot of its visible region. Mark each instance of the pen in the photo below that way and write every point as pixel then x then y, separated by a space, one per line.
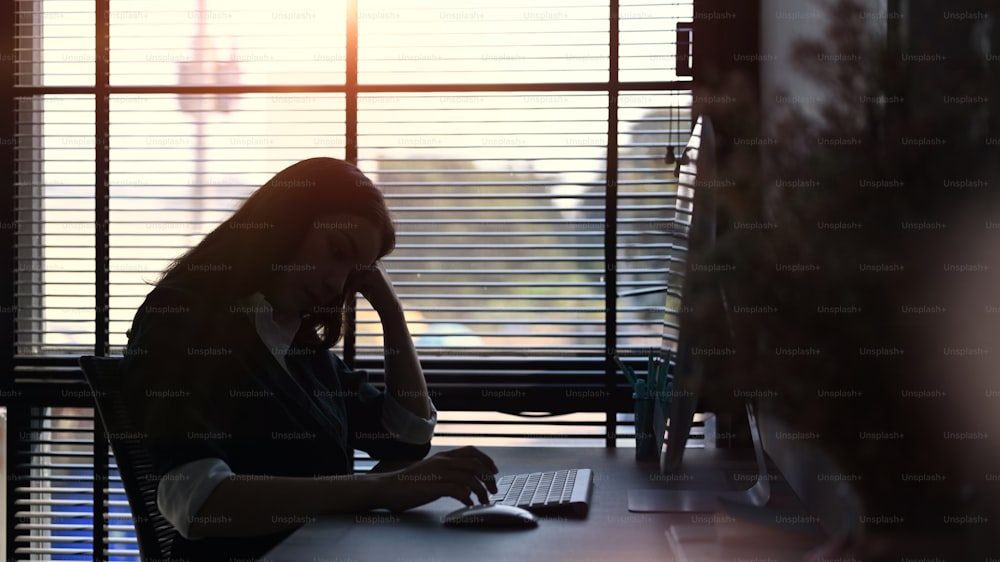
pixel 654 376
pixel 641 391
pixel 629 374
pixel 651 369
pixel 662 374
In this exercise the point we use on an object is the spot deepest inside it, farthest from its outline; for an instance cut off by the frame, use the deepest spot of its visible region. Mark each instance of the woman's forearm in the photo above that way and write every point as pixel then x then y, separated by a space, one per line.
pixel 404 378
pixel 258 505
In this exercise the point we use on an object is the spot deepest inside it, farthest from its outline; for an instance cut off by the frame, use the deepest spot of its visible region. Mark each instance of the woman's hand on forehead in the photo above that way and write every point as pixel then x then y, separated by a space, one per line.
pixel 354 239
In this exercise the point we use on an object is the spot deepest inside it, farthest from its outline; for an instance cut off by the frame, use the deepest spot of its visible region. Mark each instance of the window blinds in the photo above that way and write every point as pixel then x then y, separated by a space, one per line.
pixel 487 127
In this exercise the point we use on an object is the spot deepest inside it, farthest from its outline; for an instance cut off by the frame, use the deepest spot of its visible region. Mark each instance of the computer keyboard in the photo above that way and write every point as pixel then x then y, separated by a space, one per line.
pixel 555 492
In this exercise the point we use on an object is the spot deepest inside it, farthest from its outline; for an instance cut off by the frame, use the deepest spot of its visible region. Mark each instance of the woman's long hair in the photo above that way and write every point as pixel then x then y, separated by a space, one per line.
pixel 244 254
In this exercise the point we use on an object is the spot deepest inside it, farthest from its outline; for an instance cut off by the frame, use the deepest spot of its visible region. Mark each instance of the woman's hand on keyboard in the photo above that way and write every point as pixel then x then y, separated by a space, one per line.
pixel 457 473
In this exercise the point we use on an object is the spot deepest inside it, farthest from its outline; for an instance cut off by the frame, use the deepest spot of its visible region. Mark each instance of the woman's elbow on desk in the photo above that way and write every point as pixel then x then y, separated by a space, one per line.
pixel 249 505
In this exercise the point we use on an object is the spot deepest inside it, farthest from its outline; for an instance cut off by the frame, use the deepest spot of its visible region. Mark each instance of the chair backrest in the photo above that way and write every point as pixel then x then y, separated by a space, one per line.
pixel 154 533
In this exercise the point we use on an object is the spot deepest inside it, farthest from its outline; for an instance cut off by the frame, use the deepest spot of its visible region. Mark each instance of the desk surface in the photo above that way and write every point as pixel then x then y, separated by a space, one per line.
pixel 610 531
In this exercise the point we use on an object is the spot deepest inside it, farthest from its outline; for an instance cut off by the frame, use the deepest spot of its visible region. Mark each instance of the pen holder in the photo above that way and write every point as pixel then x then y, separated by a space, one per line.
pixel 645 437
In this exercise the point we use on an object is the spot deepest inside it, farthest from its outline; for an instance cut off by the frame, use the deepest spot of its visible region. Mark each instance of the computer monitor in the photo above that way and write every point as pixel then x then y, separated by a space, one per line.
pixel 697 167
pixel 694 214
pixel 697 173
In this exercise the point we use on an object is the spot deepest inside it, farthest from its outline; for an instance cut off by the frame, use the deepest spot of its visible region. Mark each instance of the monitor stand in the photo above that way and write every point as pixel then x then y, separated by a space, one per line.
pixel 709 501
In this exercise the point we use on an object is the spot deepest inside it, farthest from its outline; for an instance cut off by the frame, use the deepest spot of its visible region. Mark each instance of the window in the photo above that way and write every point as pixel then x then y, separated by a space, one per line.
pixel 486 127
pixel 520 146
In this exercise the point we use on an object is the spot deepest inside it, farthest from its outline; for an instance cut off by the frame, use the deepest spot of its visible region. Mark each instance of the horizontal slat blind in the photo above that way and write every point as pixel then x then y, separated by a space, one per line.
pixel 582 429
pixel 482 42
pixel 654 214
pixel 55 507
pixel 227 42
pixel 54 42
pixel 54 202
pixel 498 194
pixel 653 207
pixel 646 42
pixel 498 197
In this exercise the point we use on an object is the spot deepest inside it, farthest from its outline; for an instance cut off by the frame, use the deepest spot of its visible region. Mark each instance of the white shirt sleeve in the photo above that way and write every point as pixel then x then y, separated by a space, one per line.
pixel 404 424
pixel 183 491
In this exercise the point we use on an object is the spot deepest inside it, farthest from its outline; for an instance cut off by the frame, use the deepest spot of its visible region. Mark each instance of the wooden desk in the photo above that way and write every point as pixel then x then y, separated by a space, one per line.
pixel 609 533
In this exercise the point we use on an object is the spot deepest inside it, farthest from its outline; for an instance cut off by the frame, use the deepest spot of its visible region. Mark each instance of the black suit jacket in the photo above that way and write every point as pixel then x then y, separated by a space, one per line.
pixel 205 385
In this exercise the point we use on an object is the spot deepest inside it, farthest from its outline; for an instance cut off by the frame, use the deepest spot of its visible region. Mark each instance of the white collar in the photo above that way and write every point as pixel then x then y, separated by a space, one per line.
pixel 278 338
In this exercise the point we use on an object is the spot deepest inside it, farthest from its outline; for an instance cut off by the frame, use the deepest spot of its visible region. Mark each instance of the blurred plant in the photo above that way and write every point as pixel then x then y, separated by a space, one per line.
pixel 838 189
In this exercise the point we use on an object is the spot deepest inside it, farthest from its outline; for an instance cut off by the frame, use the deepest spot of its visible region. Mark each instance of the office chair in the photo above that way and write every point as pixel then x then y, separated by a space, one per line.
pixel 154 533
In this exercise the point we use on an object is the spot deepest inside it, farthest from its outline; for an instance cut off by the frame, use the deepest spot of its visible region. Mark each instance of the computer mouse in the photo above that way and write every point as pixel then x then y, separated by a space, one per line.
pixel 491 516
